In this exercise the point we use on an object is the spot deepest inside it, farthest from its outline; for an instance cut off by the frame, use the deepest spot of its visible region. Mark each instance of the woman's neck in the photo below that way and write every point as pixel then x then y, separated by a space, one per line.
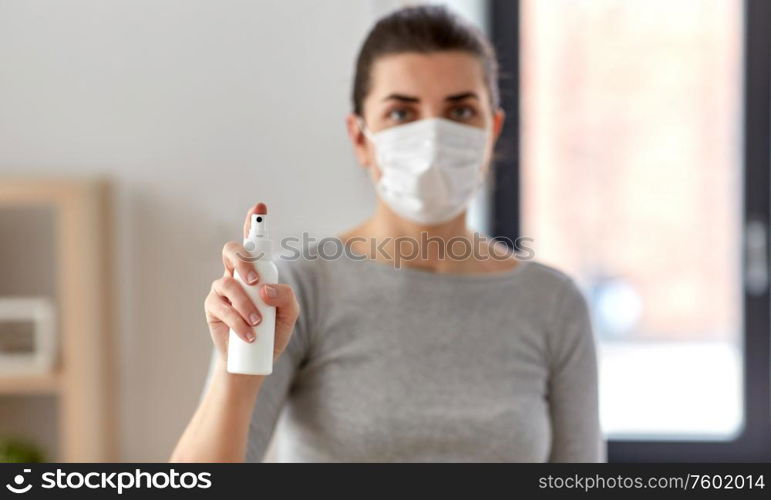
pixel 450 247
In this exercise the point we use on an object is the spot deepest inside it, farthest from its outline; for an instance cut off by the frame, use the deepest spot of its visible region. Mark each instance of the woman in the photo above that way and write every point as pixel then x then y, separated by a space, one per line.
pixel 447 356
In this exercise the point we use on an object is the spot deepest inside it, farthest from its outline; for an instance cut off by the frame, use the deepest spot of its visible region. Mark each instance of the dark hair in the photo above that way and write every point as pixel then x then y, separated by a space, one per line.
pixel 425 29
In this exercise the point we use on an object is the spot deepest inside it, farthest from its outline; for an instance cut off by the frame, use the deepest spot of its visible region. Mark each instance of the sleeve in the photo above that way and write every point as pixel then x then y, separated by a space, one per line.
pixel 273 394
pixel 573 383
pixel 276 387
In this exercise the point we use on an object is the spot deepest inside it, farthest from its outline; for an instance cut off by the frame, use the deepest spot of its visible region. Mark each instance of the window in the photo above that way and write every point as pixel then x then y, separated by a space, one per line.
pixel 629 173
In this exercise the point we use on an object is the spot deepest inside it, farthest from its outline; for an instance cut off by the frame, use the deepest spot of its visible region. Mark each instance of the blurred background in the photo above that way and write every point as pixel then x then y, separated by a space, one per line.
pixel 135 134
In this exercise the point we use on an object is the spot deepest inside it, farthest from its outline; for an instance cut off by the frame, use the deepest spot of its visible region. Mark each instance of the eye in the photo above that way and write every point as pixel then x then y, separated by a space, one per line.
pixel 399 115
pixel 462 113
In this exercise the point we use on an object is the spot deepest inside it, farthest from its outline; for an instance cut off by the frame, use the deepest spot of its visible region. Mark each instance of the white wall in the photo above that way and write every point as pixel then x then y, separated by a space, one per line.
pixel 194 110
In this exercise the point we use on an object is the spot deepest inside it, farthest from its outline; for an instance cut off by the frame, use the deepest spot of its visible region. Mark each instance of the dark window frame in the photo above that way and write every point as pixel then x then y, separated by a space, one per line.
pixel 754 442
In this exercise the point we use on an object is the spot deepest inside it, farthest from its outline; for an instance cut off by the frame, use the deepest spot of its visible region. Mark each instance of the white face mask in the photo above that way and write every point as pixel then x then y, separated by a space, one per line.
pixel 430 169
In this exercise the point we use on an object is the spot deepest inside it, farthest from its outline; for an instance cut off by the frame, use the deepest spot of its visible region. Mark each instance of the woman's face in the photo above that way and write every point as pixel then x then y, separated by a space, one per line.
pixel 414 86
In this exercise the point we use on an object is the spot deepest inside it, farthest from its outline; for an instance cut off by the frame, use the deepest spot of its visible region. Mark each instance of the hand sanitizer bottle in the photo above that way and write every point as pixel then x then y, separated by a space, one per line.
pixel 256 358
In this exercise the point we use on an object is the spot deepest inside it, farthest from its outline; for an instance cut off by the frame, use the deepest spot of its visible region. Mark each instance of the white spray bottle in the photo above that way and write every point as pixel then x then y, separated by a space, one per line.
pixel 256 358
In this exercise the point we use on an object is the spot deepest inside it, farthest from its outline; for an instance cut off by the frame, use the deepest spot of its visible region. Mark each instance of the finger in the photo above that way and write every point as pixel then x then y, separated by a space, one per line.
pixel 234 292
pixel 220 309
pixel 282 297
pixel 235 258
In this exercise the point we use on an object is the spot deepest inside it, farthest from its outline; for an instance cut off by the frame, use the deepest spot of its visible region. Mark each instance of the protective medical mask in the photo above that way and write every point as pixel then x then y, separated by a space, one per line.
pixel 430 169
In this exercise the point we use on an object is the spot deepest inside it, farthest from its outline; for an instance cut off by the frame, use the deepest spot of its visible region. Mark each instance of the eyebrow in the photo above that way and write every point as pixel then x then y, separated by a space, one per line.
pixel 451 98
pixel 461 96
pixel 401 97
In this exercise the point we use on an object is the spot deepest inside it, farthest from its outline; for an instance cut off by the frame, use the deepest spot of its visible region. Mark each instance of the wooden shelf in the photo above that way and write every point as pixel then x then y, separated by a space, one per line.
pixel 29 384
pixel 80 251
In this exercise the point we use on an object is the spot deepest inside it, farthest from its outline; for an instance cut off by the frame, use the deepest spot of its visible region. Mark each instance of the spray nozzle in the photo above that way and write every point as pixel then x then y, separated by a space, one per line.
pixel 259 227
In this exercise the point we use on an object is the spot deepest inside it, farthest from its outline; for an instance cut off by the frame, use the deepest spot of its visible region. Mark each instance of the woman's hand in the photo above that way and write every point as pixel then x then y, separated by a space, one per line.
pixel 219 428
pixel 228 306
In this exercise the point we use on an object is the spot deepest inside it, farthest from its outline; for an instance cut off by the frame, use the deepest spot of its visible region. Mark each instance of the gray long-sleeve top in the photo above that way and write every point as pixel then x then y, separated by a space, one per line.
pixel 390 364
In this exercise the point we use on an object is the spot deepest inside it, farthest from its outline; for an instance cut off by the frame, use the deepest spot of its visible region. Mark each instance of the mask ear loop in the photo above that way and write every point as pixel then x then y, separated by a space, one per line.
pixel 481 174
pixel 363 128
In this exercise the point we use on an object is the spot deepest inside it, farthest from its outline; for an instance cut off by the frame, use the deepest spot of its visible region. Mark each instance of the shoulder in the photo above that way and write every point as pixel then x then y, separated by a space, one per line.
pixel 309 271
pixel 562 303
pixel 299 270
pixel 551 282
pixel 307 277
pixel 315 264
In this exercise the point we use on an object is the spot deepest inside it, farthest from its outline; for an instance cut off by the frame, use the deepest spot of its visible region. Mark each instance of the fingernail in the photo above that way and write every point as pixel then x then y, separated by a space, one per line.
pixel 254 319
pixel 252 278
pixel 271 291
pixel 250 337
